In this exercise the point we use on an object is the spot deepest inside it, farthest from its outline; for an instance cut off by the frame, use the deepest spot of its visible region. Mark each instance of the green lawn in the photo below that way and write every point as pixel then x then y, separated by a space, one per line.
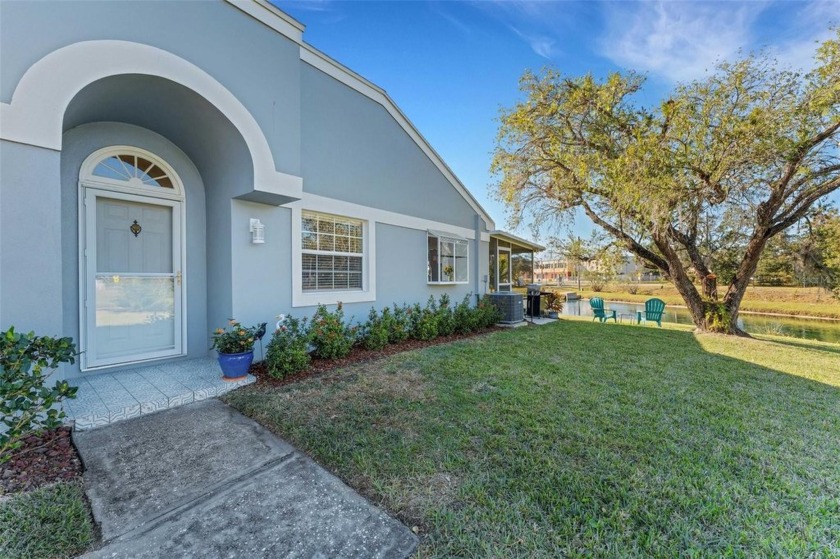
pixel 49 522
pixel 586 440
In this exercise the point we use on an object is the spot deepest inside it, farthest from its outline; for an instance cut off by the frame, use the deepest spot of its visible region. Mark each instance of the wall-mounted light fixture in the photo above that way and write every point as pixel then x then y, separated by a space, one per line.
pixel 257 232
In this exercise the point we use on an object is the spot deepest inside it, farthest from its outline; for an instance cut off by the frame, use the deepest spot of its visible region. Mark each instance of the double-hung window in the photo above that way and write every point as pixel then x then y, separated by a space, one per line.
pixel 448 258
pixel 332 252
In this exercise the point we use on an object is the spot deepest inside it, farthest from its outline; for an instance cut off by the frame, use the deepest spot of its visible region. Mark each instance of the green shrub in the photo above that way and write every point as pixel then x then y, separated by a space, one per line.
pixel 463 316
pixel 27 404
pixel 398 328
pixel 332 338
pixel 376 331
pixel 487 314
pixel 288 350
pixel 717 316
pixel 445 317
pixel 423 321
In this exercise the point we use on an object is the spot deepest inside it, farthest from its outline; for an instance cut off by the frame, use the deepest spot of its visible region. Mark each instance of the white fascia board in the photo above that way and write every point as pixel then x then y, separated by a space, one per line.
pixel 505 236
pixel 271 16
pixel 336 70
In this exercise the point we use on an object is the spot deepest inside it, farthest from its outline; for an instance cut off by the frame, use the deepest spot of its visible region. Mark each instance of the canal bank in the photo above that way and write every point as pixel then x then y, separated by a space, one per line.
pixel 811 328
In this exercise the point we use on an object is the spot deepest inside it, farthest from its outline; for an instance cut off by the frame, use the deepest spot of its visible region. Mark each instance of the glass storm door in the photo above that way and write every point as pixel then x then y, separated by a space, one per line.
pixel 133 278
pixel 504 269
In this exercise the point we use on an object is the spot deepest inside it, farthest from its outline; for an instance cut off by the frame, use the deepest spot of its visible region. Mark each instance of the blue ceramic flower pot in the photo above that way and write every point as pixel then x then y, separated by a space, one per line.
pixel 235 365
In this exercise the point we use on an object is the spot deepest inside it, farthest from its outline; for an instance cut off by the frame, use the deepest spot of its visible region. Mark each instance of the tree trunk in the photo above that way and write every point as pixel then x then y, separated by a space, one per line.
pixel 682 281
pixel 740 282
pixel 692 298
pixel 708 315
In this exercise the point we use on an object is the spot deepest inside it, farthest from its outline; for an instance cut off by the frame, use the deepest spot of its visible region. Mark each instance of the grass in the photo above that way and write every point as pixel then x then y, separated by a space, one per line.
pixel 49 522
pixel 579 439
pixel 799 301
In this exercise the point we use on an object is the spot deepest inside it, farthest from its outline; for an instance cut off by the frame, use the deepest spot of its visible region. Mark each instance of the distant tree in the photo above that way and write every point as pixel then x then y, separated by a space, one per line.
pixel 831 240
pixel 818 250
pixel 577 252
pixel 595 259
pixel 742 154
pixel 777 263
pixel 803 255
pixel 604 267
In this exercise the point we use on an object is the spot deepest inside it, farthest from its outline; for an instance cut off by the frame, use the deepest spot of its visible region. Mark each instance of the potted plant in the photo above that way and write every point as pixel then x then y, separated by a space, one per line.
pixel 236 349
pixel 554 305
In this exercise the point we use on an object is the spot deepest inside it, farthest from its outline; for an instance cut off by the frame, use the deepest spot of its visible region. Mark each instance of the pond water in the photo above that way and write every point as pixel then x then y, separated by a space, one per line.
pixel 809 329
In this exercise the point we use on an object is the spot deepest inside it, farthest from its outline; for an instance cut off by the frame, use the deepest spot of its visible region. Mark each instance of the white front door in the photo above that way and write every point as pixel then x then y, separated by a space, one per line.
pixel 132 278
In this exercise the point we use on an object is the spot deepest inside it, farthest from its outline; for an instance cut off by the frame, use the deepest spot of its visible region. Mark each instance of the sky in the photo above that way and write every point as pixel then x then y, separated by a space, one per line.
pixel 452 66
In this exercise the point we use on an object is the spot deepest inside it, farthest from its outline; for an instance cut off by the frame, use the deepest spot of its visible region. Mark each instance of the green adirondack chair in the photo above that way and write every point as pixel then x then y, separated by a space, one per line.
pixel 654 308
pixel 598 311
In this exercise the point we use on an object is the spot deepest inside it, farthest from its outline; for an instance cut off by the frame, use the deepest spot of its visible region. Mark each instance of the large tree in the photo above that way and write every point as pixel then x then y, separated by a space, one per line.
pixel 742 154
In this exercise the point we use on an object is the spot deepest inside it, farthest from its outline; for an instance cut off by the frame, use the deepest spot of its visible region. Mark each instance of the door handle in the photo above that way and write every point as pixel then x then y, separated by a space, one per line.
pixel 178 277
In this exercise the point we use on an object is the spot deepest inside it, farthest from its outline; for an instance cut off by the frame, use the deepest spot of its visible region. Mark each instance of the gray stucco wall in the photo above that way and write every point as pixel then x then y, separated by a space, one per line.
pixel 79 143
pixel 401 271
pixel 258 65
pixel 262 273
pixel 344 145
pixel 352 149
pixel 30 239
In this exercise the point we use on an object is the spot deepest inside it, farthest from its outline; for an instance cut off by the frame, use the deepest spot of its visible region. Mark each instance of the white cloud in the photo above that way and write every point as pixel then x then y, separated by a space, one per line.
pixel 677 40
pixel 811 27
pixel 681 41
pixel 540 44
pixel 537 23
pixel 439 10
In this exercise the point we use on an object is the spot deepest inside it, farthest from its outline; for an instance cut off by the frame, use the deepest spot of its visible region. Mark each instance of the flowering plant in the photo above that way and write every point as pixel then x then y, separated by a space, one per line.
pixel 238 339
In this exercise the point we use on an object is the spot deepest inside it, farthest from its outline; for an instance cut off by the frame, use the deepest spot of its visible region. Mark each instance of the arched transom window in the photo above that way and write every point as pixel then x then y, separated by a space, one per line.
pixel 131 168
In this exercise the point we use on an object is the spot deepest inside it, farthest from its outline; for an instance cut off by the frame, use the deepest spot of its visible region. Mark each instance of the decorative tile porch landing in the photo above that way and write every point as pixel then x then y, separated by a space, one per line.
pixel 108 397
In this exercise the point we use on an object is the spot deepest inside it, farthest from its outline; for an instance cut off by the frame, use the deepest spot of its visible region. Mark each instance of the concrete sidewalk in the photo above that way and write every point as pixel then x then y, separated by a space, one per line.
pixel 203 480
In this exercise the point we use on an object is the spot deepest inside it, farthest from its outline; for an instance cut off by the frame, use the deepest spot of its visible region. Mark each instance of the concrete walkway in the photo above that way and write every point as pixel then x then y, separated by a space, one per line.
pixel 202 480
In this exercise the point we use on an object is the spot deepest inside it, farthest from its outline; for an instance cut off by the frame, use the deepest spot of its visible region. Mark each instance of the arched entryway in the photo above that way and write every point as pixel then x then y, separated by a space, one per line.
pixel 101 94
pixel 132 258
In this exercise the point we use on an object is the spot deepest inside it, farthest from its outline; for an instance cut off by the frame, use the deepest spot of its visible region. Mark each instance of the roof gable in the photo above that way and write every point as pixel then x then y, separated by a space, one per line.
pixel 292 29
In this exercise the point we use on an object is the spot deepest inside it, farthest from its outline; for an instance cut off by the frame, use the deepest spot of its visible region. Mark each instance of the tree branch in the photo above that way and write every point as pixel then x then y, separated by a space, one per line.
pixel 629 242
pixel 801 206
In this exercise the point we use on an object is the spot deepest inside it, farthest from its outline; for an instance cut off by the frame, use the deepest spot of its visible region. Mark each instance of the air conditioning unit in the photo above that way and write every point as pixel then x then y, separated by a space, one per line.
pixel 510 306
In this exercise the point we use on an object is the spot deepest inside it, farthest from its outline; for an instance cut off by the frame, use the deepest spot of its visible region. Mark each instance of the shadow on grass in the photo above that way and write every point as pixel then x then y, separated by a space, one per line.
pixel 805 344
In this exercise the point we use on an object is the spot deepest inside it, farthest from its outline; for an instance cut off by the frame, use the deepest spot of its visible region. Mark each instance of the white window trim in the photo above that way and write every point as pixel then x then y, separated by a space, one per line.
pixel 440 235
pixel 104 183
pixel 301 298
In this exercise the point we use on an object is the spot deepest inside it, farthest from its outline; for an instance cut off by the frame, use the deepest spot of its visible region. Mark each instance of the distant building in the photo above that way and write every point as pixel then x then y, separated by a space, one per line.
pixel 553 271
pixel 558 270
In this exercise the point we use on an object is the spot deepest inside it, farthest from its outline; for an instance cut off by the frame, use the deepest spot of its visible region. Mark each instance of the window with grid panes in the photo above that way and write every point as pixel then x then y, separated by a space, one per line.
pixel 332 252
pixel 448 260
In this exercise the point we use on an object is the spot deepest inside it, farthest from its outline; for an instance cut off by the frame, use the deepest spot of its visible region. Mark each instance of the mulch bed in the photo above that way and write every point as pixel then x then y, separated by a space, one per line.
pixel 43 459
pixel 357 355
